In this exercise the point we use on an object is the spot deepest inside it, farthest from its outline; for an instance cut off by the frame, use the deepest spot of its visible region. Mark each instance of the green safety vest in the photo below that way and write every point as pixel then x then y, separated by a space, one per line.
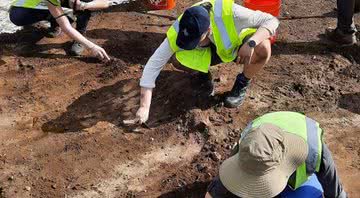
pixel 35 4
pixel 308 129
pixel 227 41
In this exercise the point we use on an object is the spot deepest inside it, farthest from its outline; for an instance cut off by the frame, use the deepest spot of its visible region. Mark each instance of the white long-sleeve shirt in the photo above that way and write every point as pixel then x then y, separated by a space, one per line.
pixel 243 17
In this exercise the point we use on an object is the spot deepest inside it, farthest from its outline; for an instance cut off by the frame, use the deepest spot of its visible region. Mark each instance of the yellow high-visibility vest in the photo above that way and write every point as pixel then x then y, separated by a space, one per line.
pixel 304 127
pixel 35 4
pixel 227 41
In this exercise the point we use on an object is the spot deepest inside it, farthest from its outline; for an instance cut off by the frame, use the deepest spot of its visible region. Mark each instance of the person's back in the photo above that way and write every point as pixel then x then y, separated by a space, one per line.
pixel 275 156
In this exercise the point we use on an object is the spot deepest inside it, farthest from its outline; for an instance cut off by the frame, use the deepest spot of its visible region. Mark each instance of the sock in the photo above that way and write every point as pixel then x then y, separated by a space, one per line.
pixel 242 81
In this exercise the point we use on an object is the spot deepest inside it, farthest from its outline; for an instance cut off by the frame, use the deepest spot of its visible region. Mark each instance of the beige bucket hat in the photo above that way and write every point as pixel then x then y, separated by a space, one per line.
pixel 266 159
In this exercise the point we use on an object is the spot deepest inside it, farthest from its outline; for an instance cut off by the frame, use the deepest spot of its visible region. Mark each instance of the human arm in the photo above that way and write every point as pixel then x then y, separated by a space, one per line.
pixel 62 20
pixel 247 18
pixel 329 177
pixel 92 5
pixel 265 24
pixel 147 82
pixel 95 4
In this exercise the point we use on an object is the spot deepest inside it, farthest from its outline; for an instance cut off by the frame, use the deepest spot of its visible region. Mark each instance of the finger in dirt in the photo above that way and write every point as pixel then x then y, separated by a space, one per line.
pixel 131 122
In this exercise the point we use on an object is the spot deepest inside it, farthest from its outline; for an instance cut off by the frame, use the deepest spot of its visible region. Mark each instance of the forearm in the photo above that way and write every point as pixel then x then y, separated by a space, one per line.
pixel 97 5
pixel 246 18
pixel 155 64
pixel 145 97
pixel 65 25
pixel 74 34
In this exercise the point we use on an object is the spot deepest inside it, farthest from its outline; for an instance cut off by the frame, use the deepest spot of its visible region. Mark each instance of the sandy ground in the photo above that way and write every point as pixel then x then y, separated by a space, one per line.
pixel 61 133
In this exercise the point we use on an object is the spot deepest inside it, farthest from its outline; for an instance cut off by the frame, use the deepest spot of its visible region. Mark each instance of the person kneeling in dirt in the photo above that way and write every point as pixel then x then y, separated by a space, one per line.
pixel 28 12
pixel 209 33
pixel 277 152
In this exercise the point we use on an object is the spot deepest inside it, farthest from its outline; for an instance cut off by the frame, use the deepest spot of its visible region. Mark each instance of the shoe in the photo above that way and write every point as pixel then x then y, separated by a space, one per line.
pixel 54 32
pixel 76 49
pixel 206 83
pixel 237 94
pixel 341 38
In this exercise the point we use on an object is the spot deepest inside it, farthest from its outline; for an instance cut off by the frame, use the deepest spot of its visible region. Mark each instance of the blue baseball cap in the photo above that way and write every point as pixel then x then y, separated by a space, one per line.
pixel 193 24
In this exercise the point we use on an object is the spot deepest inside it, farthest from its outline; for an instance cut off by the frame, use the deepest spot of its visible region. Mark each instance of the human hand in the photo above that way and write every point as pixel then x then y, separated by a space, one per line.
pixel 99 52
pixel 142 115
pixel 244 55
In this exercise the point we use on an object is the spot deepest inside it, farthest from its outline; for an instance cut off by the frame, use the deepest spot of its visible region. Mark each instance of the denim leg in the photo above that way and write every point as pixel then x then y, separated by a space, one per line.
pixel 83 18
pixel 26 16
pixel 328 176
pixel 345 16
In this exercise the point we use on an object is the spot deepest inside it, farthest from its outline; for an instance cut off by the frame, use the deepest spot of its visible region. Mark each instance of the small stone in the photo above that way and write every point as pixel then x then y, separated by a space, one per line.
pixel 53 186
pixel 215 156
pixel 27 188
pixel 200 167
pixel 228 146
pixel 152 139
pixel 328 93
pixel 11 178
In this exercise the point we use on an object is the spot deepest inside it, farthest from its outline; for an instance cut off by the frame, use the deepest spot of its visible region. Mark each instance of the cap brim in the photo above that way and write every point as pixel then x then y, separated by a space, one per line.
pixel 243 184
pixel 187 44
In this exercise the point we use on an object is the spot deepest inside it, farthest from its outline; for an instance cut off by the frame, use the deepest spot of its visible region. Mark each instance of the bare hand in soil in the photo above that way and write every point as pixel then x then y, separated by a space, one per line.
pixel 244 55
pixel 131 122
pixel 99 52
pixel 142 115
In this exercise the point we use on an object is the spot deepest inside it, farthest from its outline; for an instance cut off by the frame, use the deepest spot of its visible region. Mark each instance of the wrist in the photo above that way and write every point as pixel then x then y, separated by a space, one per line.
pixel 145 106
pixel 90 46
pixel 251 43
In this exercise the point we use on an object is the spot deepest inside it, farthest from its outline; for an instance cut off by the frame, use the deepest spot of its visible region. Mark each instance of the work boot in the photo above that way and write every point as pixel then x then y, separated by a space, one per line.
pixel 206 83
pixel 76 49
pixel 340 37
pixel 54 32
pixel 237 94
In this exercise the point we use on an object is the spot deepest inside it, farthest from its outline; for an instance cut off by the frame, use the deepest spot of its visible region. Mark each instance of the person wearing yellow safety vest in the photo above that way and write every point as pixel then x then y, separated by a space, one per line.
pixel 276 151
pixel 209 33
pixel 28 12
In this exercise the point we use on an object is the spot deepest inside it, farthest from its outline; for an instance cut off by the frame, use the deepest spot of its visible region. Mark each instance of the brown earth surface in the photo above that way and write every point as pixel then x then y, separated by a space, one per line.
pixel 60 117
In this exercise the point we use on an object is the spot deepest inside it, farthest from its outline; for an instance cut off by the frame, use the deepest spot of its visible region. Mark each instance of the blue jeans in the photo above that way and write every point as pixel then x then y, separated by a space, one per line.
pixel 27 16
pixel 345 16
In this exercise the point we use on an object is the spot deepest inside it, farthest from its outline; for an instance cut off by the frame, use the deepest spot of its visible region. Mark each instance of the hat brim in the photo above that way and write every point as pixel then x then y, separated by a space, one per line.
pixel 187 44
pixel 243 184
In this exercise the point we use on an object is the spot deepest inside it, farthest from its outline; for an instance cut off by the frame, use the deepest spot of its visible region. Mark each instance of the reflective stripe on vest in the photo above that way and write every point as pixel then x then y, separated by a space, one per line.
pixel 226 39
pixel 312 136
pixel 302 126
pixel 34 4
